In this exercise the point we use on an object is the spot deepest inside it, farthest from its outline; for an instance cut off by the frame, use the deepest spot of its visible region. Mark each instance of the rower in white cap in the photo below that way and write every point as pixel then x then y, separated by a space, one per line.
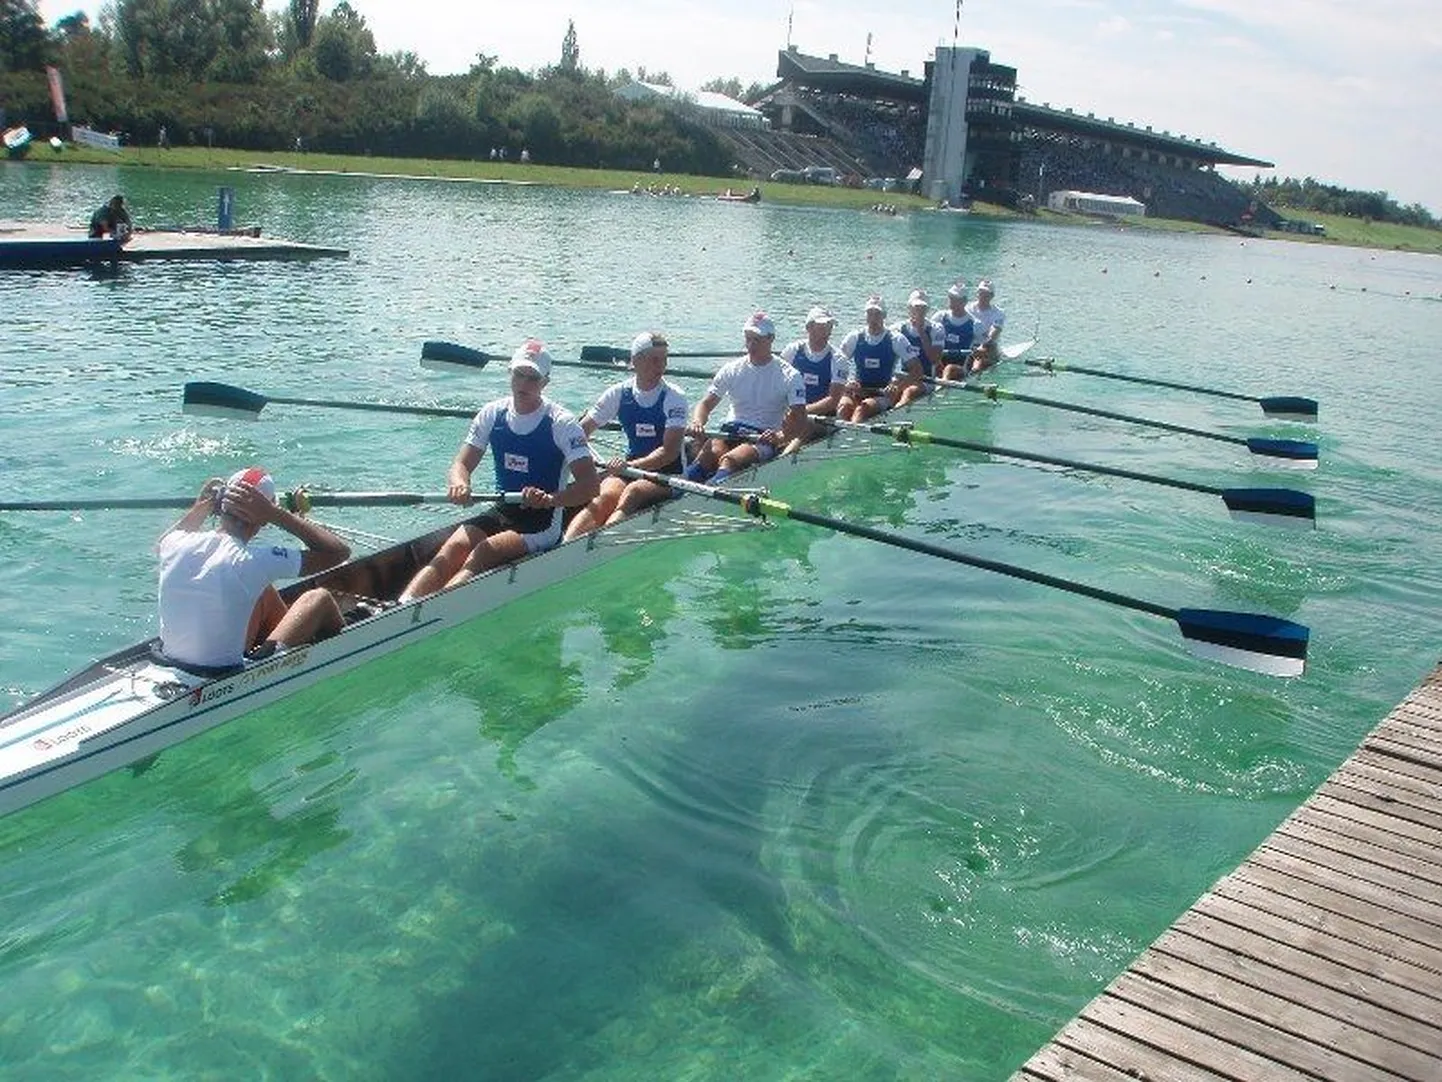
pixel 533 442
pixel 823 369
pixel 652 415
pixel 217 604
pixel 876 353
pixel 768 408
pixel 924 340
pixel 957 332
pixel 988 320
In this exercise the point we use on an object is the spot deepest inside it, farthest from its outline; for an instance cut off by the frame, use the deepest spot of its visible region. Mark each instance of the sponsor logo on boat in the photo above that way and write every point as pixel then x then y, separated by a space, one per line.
pixel 64 736
pixel 517 463
pixel 258 675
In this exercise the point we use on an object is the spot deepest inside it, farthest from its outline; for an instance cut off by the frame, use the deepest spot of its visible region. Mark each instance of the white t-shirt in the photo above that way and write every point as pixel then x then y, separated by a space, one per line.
pixel 985 321
pixel 609 404
pixel 760 394
pixel 565 429
pixel 209 584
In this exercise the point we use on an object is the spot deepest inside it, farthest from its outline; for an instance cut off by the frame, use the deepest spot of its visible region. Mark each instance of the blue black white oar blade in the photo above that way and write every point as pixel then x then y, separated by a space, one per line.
pixel 605 354
pixel 222 400
pixel 1290 408
pixel 1272 506
pixel 1288 454
pixel 450 357
pixel 1264 644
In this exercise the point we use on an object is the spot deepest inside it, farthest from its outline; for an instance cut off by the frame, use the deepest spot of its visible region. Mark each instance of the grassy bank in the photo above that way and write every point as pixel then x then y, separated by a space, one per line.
pixel 1340 230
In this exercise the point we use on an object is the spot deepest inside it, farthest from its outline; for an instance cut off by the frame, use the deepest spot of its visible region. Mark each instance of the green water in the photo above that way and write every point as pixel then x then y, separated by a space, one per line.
pixel 770 806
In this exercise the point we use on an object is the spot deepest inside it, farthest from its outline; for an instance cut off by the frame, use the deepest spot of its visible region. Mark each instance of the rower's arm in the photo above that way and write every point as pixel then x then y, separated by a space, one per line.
pixel 663 456
pixel 703 410
pixel 458 477
pixel 199 511
pixel 585 485
pixel 323 549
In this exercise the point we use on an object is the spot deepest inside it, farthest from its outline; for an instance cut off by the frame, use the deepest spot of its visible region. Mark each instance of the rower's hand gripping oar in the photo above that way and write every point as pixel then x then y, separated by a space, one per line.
pixel 299 500
pixel 1265 644
pixel 1292 454
pixel 451 357
pixel 1273 506
pixel 225 400
pixel 1281 407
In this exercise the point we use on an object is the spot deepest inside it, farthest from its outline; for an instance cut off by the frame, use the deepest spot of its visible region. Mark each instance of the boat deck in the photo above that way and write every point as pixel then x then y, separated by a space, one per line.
pixel 1319 958
pixel 37 244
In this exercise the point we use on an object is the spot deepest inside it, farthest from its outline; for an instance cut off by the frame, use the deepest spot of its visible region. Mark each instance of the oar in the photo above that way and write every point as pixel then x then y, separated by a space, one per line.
pixel 299 500
pixel 448 356
pixel 1265 644
pixel 1274 506
pixel 224 400
pixel 1284 407
pixel 1293 454
pixel 623 356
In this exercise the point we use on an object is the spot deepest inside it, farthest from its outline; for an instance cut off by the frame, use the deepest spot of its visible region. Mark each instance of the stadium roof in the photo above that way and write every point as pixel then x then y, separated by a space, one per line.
pixel 1025 113
pixel 703 99
pixel 862 80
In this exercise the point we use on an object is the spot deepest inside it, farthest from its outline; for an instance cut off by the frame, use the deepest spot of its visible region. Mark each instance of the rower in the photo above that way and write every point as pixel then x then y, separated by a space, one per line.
pixel 532 441
pixel 957 330
pixel 924 340
pixel 874 351
pixel 988 319
pixel 768 408
pixel 652 414
pixel 823 369
pixel 217 604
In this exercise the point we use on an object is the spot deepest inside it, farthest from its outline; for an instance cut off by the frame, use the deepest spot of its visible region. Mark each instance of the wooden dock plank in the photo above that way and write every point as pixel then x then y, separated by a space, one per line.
pixel 1319 957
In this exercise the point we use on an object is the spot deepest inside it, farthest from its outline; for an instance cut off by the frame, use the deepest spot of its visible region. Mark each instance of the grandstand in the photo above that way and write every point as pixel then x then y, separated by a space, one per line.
pixel 964 127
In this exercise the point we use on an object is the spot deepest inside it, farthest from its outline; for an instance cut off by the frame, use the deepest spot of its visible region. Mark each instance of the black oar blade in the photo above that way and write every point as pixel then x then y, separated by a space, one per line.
pixel 450 357
pixel 1290 408
pixel 1288 454
pixel 222 400
pixel 1264 644
pixel 1272 506
pixel 606 354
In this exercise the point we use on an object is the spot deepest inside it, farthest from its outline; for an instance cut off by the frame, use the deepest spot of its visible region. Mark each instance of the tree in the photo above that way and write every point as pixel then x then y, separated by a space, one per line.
pixel 344 46
pixel 301 18
pixel 23 41
pixel 570 50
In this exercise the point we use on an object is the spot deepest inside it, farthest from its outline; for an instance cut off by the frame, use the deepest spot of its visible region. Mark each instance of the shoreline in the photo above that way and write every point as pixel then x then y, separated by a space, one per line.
pixel 1341 231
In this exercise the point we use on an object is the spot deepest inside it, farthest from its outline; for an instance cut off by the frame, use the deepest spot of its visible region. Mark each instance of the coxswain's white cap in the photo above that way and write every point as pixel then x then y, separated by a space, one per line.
pixel 256 478
pixel 917 299
pixel 957 290
pixel 874 303
pixel 532 357
pixel 984 286
pixel 644 343
pixel 821 316
pixel 760 323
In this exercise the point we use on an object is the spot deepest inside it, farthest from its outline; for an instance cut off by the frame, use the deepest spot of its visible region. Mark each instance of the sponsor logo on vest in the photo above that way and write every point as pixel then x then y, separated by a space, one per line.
pixel 812 379
pixel 517 463
pixel 645 428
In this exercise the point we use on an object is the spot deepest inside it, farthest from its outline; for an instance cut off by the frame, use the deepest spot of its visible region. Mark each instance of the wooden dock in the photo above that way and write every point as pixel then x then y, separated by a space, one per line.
pixel 1319 958
pixel 25 245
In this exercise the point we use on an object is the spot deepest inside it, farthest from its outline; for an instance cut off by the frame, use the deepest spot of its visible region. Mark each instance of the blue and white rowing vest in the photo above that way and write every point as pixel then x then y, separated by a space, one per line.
pixel 645 426
pixel 912 335
pixel 818 374
pixel 959 333
pixel 533 459
pixel 874 362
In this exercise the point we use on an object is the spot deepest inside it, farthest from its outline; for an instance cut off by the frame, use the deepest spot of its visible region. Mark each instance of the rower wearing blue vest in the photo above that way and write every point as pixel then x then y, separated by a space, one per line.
pixel 823 369
pixel 876 353
pixel 652 414
pixel 958 332
pixel 924 341
pixel 533 442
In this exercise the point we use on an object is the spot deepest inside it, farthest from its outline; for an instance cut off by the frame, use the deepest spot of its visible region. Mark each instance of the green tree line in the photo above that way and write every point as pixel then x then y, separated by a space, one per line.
pixel 227 72
pixel 1309 194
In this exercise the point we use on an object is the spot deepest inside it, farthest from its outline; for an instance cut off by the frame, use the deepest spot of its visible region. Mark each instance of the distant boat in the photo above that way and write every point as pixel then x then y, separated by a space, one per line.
pixel 17 141
pixel 728 196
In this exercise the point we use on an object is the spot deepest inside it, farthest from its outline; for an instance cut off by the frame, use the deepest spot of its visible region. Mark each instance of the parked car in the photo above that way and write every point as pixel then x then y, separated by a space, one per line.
pixel 789 176
pixel 821 174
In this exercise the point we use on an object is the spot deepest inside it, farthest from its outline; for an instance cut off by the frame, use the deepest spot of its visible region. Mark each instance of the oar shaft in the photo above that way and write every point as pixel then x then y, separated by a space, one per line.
pixel 1052 365
pixel 373 407
pixel 683 373
pixel 141 503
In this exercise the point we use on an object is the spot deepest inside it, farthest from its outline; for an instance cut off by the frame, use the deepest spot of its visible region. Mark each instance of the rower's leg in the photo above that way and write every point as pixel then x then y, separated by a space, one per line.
pixel 444 564
pixel 598 512
pixel 268 612
pixel 315 615
pixel 500 548
pixel 637 496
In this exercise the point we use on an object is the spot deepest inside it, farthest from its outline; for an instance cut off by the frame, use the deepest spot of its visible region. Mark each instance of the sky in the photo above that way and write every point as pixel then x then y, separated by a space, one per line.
pixel 1340 91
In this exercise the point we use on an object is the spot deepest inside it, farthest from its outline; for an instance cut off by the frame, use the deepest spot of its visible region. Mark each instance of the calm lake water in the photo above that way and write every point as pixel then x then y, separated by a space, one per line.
pixel 766 806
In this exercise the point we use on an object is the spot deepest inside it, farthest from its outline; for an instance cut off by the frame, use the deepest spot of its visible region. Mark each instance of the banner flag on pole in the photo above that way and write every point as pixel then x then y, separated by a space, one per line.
pixel 57 94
